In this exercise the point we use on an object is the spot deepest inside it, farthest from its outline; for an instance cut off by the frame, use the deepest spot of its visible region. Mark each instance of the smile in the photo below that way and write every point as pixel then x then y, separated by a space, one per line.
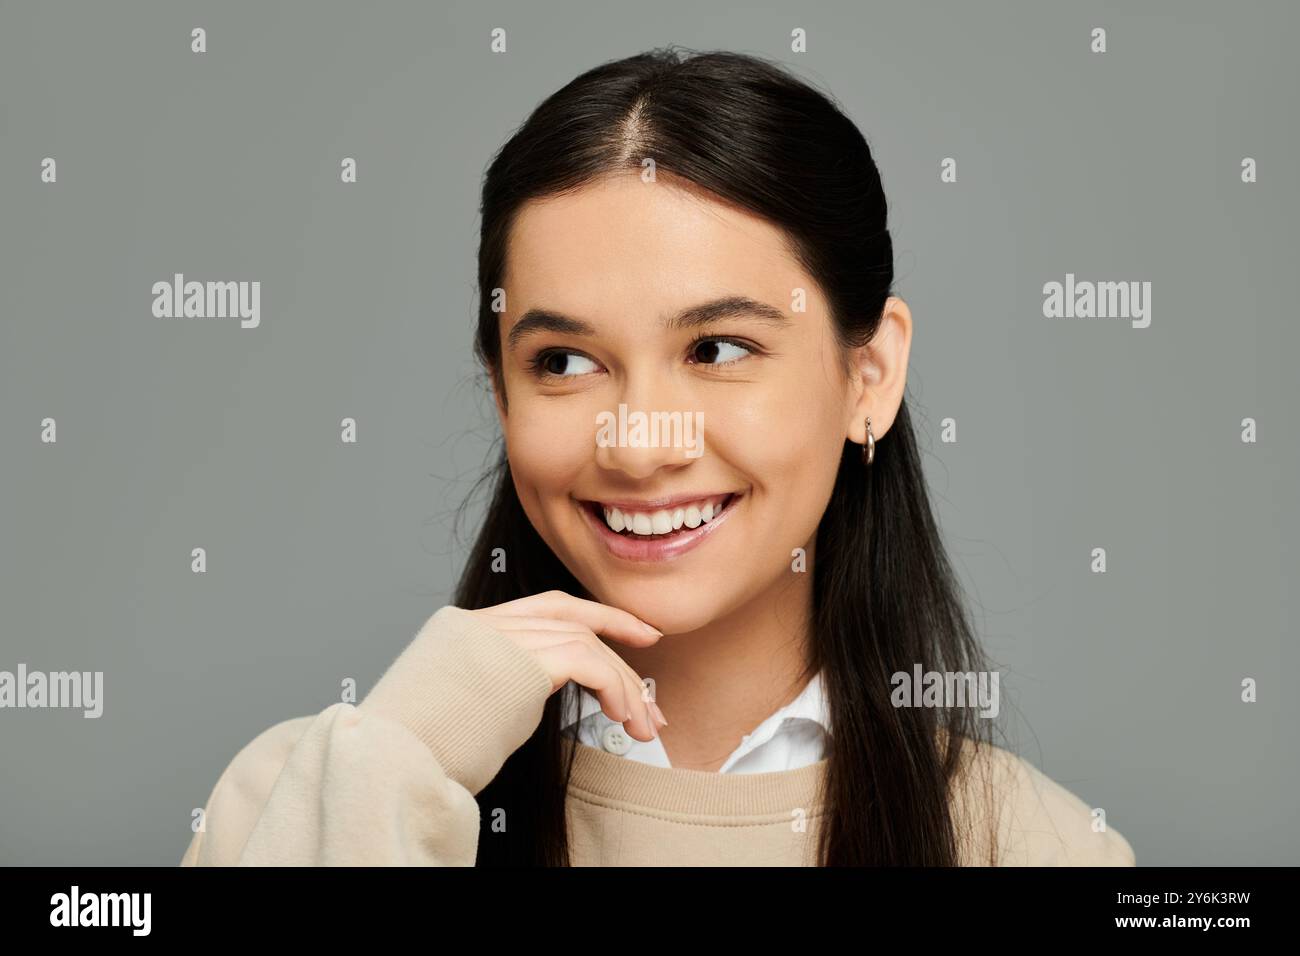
pixel 637 532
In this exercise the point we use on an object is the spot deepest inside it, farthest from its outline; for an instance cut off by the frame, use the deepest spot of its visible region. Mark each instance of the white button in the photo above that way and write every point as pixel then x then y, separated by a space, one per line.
pixel 615 739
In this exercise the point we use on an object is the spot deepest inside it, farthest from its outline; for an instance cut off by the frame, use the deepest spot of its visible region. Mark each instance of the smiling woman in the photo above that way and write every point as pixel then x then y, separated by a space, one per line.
pixel 707 233
pixel 703 235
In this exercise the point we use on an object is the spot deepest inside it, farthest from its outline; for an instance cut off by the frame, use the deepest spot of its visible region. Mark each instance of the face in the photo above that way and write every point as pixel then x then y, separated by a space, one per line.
pixel 613 324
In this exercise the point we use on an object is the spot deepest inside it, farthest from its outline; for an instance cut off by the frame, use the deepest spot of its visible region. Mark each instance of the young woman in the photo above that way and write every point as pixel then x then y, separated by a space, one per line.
pixel 708 564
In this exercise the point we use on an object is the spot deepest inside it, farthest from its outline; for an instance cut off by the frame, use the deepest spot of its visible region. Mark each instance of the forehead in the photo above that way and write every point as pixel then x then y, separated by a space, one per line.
pixel 620 245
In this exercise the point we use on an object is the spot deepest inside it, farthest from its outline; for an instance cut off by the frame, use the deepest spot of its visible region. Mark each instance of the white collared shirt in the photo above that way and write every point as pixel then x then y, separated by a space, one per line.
pixel 794 736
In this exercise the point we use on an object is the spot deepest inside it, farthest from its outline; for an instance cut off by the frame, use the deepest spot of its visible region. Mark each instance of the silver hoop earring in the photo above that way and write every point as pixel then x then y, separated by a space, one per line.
pixel 869 447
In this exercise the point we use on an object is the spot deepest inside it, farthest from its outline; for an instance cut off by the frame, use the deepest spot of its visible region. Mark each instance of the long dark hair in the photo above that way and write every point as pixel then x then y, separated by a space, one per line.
pixel 884 595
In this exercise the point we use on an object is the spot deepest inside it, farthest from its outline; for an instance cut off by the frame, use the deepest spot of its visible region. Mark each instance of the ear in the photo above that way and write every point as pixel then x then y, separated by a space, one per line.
pixel 880 374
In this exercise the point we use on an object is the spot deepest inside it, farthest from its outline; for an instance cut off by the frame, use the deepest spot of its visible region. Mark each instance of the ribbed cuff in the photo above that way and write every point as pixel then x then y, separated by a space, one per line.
pixel 465 689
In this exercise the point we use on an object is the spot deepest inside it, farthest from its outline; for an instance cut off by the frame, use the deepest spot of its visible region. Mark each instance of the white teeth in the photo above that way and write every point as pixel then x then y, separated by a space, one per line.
pixel 663 521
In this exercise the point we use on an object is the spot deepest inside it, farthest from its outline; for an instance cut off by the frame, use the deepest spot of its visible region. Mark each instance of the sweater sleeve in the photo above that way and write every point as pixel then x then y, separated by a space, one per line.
pixel 391 780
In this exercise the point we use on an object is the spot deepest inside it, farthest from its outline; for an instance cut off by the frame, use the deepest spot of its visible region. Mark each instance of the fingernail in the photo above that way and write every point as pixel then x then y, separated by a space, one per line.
pixel 652 630
pixel 659 713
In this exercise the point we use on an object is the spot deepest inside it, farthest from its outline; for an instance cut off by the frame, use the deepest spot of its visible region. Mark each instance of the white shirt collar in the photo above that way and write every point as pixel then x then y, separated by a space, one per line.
pixel 808 715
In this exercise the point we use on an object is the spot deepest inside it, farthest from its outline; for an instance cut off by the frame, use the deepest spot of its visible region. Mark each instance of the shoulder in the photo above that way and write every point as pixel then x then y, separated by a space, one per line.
pixel 1037 821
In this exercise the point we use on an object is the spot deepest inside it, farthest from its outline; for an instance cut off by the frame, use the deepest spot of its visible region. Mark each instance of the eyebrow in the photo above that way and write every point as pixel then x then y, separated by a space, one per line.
pixel 535 321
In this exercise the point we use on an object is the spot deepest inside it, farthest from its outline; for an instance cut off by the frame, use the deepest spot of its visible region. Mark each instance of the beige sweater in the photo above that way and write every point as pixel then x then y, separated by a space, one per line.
pixel 391 781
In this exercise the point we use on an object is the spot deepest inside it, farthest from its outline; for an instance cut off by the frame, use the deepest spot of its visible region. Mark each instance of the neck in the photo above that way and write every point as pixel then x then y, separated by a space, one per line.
pixel 717 683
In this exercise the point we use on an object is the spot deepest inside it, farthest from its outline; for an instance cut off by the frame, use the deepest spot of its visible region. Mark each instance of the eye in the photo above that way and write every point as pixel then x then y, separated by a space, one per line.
pixel 719 351
pixel 559 363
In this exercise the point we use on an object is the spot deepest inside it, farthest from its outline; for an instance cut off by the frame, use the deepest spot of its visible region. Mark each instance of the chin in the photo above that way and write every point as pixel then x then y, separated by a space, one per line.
pixel 669 606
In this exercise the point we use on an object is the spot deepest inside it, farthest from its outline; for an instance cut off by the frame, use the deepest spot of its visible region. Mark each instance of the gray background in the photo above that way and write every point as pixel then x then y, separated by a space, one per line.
pixel 324 558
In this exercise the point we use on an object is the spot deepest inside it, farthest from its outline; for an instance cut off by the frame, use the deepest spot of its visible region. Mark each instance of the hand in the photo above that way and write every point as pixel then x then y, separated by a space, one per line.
pixel 561 630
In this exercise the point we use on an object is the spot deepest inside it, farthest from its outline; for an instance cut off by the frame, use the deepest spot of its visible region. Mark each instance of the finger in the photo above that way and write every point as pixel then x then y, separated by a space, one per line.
pixel 520 622
pixel 534 639
pixel 568 611
pixel 611 622
pixel 580 663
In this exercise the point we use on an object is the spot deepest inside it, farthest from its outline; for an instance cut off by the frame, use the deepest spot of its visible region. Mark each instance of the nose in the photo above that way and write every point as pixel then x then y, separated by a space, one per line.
pixel 648 430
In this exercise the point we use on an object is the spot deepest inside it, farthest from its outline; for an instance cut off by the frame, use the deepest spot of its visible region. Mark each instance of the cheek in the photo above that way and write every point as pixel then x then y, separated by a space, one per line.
pixel 788 448
pixel 778 436
pixel 548 443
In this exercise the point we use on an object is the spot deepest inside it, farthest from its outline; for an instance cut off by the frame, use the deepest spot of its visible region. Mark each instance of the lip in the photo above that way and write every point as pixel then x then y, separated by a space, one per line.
pixel 637 548
pixel 660 504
